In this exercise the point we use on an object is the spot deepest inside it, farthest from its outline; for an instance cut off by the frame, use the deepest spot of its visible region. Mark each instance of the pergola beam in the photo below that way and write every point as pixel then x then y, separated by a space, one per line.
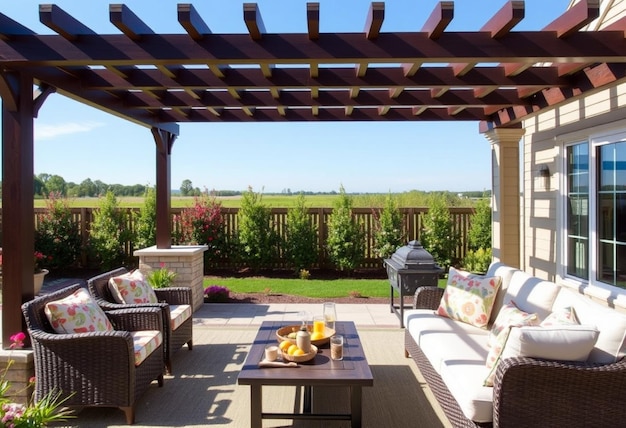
pixel 375 18
pixel 253 20
pixel 191 21
pixel 313 20
pixel 439 19
pixel 62 23
pixel 127 22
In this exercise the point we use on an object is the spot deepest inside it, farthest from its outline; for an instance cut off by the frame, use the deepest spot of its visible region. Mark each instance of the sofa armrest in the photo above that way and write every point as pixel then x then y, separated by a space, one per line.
pixel 174 295
pixel 534 392
pixel 427 297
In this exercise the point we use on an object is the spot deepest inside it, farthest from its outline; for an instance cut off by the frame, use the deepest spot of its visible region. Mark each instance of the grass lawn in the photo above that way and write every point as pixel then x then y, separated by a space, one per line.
pixel 316 288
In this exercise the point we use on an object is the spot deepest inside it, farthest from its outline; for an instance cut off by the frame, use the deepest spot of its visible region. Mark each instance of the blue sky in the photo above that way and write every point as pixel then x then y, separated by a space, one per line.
pixel 78 142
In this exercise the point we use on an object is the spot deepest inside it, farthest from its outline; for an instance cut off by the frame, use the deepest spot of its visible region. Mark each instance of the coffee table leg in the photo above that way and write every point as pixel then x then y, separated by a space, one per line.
pixel 308 399
pixel 355 406
pixel 256 404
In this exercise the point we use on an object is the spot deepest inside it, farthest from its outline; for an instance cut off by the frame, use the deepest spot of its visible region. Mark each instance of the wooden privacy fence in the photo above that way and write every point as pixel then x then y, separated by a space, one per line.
pixel 413 224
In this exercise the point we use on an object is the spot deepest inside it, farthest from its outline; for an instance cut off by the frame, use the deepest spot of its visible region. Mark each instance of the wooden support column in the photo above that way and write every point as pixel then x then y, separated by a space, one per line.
pixel 505 197
pixel 164 141
pixel 18 236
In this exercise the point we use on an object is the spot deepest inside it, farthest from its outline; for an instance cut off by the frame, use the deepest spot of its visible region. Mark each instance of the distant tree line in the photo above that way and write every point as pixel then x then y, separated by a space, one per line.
pixel 45 184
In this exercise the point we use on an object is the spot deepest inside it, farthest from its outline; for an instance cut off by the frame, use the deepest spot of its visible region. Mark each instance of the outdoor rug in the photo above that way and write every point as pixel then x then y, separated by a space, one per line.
pixel 203 390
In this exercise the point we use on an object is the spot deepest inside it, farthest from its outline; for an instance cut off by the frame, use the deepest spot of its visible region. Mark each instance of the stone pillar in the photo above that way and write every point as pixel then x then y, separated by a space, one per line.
pixel 505 197
pixel 19 374
pixel 186 260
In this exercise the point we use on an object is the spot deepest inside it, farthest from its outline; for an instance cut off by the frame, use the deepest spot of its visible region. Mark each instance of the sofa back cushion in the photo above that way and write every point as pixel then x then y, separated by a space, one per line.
pixel 611 343
pixel 505 272
pixel 531 294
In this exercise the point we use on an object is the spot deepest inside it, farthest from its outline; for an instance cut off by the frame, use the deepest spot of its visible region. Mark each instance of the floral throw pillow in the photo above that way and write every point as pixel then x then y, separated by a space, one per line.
pixel 509 316
pixel 77 313
pixel 469 298
pixel 563 316
pixel 132 288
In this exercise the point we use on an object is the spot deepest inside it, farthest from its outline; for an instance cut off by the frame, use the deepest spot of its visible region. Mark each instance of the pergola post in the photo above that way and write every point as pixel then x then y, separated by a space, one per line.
pixel 505 197
pixel 164 141
pixel 18 235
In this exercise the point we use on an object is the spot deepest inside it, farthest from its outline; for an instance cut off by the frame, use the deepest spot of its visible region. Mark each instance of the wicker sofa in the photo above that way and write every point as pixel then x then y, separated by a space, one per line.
pixel 527 391
pixel 169 298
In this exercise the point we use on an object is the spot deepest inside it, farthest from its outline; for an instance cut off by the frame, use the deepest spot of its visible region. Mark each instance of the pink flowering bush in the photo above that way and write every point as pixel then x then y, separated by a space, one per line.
pixel 32 415
pixel 216 294
pixel 202 224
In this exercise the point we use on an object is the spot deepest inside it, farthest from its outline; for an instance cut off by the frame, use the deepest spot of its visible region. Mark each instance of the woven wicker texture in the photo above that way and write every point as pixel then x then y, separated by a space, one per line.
pixel 529 392
pixel 173 339
pixel 93 369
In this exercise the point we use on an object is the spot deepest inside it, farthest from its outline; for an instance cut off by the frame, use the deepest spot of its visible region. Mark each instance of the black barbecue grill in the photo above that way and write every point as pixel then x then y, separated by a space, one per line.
pixel 409 267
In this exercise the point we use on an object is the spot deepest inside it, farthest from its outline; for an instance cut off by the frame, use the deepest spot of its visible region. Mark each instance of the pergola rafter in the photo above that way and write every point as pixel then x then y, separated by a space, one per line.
pixel 199 76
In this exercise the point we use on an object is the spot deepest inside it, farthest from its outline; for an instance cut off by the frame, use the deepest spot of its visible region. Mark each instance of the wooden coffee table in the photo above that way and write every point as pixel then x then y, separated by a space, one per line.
pixel 352 372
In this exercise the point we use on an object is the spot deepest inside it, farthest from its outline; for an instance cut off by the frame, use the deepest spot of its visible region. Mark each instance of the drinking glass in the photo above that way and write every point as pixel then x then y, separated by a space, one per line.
pixel 330 314
pixel 336 347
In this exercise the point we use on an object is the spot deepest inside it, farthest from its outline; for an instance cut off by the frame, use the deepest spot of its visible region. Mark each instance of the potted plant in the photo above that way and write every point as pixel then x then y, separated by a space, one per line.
pixel 161 278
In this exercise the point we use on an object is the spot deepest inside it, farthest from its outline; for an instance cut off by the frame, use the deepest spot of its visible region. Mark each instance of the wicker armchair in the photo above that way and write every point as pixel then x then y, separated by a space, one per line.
pixel 174 339
pixel 96 368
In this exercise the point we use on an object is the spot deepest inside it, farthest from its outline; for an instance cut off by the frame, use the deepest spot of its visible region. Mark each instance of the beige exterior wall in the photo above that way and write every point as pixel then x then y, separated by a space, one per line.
pixel 543 144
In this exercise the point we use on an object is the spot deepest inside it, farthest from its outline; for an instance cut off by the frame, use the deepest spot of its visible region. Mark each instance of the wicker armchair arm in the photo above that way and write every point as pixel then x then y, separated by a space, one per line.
pixel 174 295
pixel 112 341
pixel 137 318
pixel 534 392
pixel 427 297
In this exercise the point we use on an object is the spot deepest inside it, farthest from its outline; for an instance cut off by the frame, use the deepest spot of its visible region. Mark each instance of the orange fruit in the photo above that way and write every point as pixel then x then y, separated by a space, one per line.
pixel 298 352
pixel 317 336
pixel 284 345
pixel 292 349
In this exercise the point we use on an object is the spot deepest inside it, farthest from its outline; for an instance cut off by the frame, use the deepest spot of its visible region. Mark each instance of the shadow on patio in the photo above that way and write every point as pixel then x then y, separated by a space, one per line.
pixel 203 390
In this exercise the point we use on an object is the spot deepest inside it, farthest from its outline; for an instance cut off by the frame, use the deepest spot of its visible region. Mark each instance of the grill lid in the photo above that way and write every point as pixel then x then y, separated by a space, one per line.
pixel 413 256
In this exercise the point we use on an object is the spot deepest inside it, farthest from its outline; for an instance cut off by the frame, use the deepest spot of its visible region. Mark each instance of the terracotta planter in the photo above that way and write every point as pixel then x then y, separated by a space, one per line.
pixel 39 280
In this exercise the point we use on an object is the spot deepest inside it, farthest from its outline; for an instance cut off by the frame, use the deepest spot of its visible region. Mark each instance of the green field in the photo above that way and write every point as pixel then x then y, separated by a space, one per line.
pixel 407 199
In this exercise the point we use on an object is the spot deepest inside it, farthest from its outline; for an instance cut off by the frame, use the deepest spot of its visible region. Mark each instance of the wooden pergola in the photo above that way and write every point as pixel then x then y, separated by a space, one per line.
pixel 495 76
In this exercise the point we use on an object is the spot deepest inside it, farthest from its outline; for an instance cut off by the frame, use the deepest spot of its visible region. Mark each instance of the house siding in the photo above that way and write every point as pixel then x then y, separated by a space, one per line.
pixel 543 142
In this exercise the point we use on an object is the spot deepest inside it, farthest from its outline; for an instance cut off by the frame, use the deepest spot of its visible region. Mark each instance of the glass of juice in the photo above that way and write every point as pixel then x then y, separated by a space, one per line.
pixel 318 324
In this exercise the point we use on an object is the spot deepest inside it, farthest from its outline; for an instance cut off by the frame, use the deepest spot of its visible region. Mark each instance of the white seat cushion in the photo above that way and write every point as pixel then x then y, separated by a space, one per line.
pixel 464 379
pixel 178 315
pixel 144 343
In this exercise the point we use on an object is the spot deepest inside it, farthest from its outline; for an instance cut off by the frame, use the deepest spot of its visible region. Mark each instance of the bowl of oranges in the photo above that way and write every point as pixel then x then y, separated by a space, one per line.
pixel 291 352
pixel 318 338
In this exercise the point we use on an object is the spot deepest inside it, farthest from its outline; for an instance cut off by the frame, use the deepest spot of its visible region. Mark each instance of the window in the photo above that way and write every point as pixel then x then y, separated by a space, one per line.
pixel 611 166
pixel 596 244
pixel 578 210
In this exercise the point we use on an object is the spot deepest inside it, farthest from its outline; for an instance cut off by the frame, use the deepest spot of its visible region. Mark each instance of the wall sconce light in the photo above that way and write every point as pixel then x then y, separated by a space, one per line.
pixel 544 171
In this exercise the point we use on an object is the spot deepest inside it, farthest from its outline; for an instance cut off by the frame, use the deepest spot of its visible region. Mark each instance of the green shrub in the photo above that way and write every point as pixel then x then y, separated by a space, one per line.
pixel 301 237
pixel 257 238
pixel 203 224
pixel 437 237
pixel 57 235
pixel 109 234
pixel 479 233
pixel 388 235
pixel 477 260
pixel 146 222
pixel 346 239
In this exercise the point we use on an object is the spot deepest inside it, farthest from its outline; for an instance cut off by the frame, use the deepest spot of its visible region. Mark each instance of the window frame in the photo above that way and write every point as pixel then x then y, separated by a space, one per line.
pixel 594 140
